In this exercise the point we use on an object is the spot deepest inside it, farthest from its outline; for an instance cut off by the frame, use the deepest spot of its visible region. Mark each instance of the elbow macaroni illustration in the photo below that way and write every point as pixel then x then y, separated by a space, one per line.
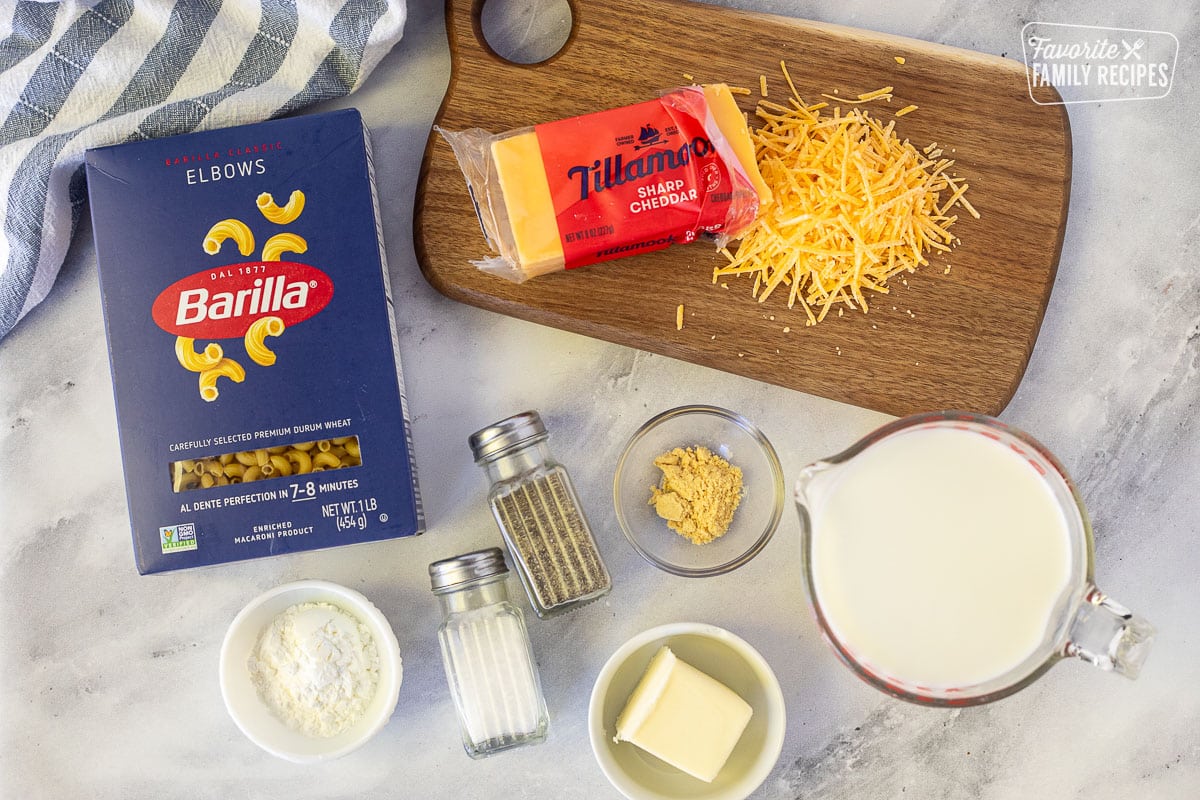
pixel 259 330
pixel 281 215
pixel 185 351
pixel 229 229
pixel 225 368
pixel 282 243
pixel 211 362
pixel 265 463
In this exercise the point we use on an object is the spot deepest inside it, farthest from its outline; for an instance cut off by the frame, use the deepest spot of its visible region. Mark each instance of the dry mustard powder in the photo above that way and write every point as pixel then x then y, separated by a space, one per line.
pixel 698 494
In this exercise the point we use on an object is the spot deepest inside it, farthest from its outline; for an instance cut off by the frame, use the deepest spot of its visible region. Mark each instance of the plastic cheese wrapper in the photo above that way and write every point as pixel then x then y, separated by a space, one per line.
pixel 614 183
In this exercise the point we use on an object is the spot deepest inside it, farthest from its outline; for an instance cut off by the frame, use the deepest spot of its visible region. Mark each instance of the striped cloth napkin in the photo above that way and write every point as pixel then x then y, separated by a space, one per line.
pixel 75 75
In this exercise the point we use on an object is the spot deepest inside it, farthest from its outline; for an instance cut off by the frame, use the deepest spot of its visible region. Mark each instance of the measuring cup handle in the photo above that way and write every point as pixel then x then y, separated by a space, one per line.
pixel 1107 635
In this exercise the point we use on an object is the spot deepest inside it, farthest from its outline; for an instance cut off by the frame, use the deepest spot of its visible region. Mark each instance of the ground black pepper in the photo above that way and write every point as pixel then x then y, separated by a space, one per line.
pixel 539 515
pixel 552 538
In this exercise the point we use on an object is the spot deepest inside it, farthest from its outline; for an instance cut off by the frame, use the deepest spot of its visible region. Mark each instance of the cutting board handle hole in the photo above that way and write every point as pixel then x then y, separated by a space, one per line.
pixel 525 31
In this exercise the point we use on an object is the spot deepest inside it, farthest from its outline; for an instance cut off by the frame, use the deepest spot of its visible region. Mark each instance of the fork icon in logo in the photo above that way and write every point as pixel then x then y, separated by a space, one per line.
pixel 1132 49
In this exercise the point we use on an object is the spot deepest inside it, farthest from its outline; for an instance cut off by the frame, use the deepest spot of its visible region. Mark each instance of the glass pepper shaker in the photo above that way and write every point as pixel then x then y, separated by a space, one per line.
pixel 539 516
pixel 486 652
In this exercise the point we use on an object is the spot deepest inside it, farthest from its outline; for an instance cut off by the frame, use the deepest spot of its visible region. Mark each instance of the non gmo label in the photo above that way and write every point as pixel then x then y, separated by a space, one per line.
pixel 178 538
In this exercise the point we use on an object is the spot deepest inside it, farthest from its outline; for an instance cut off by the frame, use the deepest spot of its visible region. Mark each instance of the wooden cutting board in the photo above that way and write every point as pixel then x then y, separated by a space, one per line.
pixel 958 340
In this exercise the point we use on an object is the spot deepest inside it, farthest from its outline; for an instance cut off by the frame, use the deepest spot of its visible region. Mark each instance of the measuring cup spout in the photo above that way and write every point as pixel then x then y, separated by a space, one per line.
pixel 808 484
pixel 1107 635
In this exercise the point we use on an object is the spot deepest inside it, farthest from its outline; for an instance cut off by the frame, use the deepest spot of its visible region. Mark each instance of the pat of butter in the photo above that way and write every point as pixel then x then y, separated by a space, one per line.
pixel 684 717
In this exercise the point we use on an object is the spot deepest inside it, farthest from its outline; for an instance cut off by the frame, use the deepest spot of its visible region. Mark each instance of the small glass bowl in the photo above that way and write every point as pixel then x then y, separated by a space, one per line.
pixel 733 438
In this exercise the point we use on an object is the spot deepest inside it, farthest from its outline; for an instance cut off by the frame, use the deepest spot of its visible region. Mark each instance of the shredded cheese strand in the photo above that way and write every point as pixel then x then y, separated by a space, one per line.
pixel 854 205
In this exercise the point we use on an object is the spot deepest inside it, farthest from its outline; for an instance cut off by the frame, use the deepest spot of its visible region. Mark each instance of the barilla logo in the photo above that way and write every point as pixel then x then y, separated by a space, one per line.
pixel 222 303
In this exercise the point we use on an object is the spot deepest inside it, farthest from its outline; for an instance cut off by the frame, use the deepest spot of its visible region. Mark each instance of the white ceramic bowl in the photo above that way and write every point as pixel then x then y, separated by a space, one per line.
pixel 253 716
pixel 722 655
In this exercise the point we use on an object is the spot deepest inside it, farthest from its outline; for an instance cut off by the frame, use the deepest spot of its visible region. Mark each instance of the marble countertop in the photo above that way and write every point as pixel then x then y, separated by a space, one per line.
pixel 108 680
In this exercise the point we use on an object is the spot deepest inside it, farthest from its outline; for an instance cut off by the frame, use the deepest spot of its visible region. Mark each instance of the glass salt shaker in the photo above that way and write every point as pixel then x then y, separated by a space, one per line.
pixel 486 652
pixel 539 516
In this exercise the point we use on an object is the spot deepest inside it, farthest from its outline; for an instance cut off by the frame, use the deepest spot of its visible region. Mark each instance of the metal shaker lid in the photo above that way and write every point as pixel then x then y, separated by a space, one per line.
pixel 495 439
pixel 451 572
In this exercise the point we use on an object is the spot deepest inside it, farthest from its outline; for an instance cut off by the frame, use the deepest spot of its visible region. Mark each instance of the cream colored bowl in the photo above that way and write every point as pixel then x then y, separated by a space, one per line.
pixel 725 657
pixel 253 716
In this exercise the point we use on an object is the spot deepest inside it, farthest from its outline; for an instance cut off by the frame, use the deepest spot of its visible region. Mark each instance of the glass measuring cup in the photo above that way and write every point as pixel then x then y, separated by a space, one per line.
pixel 949 561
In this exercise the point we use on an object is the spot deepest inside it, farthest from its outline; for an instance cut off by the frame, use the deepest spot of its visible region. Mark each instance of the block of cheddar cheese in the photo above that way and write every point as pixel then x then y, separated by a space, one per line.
pixel 628 180
pixel 526 211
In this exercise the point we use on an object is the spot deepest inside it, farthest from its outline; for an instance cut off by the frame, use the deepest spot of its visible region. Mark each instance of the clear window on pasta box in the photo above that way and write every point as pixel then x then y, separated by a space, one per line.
pixel 252 338
pixel 261 464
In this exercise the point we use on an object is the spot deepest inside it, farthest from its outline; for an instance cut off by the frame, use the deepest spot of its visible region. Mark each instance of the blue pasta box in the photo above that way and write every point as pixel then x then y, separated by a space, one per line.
pixel 252 341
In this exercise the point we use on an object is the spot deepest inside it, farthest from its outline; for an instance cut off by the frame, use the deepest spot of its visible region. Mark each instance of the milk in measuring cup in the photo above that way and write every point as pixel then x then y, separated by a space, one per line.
pixel 939 558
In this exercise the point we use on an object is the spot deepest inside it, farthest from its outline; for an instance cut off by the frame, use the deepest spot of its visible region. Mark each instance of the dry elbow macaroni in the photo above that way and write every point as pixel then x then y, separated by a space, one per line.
pixel 211 362
pixel 301 458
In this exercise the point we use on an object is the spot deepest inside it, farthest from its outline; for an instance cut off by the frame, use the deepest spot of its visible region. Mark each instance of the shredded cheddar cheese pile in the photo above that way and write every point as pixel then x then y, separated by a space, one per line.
pixel 854 205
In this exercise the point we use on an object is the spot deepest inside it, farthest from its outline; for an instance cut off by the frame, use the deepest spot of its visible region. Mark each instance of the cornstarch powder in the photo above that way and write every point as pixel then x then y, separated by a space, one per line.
pixel 317 668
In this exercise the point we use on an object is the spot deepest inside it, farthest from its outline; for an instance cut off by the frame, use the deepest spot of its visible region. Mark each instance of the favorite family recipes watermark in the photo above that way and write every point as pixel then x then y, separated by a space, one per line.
pixel 1086 63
